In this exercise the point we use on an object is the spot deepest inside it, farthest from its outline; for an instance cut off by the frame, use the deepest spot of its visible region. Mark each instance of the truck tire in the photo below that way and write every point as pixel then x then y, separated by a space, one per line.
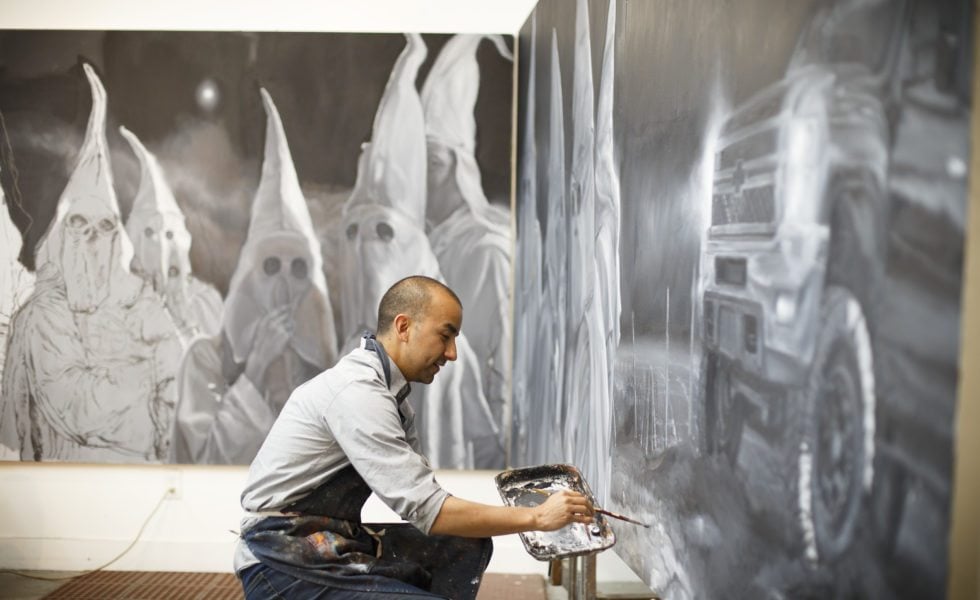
pixel 836 444
pixel 722 419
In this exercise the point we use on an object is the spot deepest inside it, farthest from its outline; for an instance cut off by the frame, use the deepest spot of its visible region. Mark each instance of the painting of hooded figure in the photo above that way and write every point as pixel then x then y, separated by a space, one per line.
pixel 573 307
pixel 527 275
pixel 92 355
pixel 162 250
pixel 277 330
pixel 384 225
pixel 470 236
pixel 593 255
pixel 16 285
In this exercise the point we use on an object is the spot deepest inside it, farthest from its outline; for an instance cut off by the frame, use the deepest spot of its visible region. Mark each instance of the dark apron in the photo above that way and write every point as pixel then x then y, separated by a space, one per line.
pixel 323 541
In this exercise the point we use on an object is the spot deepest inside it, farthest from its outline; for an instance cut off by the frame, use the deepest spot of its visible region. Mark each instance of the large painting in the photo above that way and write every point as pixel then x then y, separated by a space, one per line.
pixel 196 223
pixel 739 263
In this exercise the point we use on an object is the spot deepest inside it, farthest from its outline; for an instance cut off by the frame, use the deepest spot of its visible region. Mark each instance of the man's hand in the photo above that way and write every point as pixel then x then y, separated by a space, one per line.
pixel 560 509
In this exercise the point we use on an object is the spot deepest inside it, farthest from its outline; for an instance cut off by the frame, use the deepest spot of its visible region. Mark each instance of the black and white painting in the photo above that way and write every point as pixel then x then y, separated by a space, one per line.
pixel 197 223
pixel 739 261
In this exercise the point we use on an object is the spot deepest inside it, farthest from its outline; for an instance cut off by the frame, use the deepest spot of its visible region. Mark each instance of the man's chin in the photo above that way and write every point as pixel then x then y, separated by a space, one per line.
pixel 432 375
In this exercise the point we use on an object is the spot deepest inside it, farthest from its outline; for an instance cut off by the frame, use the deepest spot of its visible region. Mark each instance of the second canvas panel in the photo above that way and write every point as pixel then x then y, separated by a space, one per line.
pixel 739 267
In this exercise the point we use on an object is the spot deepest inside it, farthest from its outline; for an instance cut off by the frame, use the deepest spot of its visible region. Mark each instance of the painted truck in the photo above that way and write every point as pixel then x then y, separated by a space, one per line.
pixel 793 260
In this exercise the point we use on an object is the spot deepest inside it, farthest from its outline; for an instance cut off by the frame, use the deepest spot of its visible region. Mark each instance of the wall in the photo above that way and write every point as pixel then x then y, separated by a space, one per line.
pixel 790 249
pixel 76 516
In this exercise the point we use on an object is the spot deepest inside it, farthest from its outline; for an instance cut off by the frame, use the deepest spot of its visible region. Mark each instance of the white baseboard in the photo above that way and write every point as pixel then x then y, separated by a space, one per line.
pixel 76 517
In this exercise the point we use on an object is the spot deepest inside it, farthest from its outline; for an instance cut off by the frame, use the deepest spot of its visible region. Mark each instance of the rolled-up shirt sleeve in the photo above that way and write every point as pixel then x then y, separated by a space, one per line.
pixel 365 421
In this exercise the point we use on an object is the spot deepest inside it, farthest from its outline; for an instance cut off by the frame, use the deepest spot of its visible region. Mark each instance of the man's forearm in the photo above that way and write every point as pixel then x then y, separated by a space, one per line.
pixel 472 519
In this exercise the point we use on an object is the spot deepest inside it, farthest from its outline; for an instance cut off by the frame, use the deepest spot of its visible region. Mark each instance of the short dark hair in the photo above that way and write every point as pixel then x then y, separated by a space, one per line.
pixel 409 296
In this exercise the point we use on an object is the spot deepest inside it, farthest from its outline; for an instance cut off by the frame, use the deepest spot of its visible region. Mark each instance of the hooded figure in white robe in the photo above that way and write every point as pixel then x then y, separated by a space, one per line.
pixel 16 285
pixel 528 281
pixel 549 363
pixel 471 238
pixel 588 368
pixel 162 247
pixel 607 224
pixel 384 226
pixel 277 330
pixel 93 353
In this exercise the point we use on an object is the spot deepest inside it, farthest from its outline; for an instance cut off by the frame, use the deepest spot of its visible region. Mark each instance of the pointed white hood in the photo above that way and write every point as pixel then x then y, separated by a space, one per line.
pixel 451 88
pixel 280 262
pixel 607 195
pixel 392 166
pixel 528 228
pixel 582 183
pixel 156 225
pixel 449 98
pixel 556 227
pixel 85 243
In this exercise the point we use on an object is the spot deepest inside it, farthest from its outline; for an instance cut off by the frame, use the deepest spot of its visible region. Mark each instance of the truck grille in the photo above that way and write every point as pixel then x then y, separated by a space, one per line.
pixel 754 146
pixel 731 271
pixel 752 205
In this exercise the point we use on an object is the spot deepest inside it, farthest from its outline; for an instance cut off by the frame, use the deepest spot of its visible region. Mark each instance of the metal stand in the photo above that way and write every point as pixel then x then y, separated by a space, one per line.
pixel 579 577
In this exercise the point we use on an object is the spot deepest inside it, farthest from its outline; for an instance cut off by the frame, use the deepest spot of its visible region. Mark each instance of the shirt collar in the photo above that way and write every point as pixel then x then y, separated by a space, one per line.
pixel 399 385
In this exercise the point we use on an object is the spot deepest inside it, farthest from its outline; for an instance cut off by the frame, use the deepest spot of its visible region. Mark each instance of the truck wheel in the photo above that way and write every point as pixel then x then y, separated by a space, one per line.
pixel 837 445
pixel 723 423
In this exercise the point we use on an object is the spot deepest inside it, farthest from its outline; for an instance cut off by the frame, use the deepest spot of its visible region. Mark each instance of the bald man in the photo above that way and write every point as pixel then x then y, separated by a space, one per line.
pixel 348 432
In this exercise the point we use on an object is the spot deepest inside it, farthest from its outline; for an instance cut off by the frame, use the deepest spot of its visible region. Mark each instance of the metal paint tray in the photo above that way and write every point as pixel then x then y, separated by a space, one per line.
pixel 574 539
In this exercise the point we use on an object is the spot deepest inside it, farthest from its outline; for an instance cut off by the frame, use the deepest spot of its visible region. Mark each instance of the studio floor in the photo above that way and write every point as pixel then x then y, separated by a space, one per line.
pixel 143 585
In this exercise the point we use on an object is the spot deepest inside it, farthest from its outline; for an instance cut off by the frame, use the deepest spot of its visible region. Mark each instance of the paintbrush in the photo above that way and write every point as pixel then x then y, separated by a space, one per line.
pixel 603 511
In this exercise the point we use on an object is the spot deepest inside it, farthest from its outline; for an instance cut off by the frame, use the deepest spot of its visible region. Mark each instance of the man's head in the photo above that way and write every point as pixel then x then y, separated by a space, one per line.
pixel 418 321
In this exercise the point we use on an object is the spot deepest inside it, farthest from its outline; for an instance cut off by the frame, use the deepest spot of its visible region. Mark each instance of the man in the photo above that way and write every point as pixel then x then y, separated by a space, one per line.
pixel 349 432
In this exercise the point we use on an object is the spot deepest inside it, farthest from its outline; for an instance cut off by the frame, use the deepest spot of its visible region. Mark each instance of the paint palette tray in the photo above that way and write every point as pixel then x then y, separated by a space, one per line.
pixel 531 486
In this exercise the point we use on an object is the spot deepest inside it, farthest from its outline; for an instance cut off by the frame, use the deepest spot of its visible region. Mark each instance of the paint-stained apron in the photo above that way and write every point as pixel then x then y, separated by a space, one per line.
pixel 323 541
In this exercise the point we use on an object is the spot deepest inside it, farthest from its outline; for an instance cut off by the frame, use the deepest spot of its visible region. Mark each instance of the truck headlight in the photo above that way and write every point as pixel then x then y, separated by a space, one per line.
pixel 785 307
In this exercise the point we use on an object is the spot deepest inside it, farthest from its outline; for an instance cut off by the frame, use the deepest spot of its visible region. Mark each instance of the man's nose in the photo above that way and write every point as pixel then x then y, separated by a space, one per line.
pixel 450 353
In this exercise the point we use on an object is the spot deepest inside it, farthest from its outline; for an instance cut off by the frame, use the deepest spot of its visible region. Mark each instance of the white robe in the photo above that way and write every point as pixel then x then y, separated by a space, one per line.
pixel 218 422
pixel 474 257
pixel 93 387
pixel 16 285
pixel 198 311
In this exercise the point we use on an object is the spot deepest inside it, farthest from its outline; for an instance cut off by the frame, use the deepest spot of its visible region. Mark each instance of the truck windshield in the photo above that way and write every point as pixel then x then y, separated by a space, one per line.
pixel 850 32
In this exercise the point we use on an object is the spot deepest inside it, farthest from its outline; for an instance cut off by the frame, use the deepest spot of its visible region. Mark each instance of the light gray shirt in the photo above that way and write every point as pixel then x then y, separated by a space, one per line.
pixel 344 416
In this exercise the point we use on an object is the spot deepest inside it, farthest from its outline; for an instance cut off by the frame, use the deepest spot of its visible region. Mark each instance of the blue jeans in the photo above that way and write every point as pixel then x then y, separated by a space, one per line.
pixel 456 566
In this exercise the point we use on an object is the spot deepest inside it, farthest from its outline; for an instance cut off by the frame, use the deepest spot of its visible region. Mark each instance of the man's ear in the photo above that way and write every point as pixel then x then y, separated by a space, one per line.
pixel 402 324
